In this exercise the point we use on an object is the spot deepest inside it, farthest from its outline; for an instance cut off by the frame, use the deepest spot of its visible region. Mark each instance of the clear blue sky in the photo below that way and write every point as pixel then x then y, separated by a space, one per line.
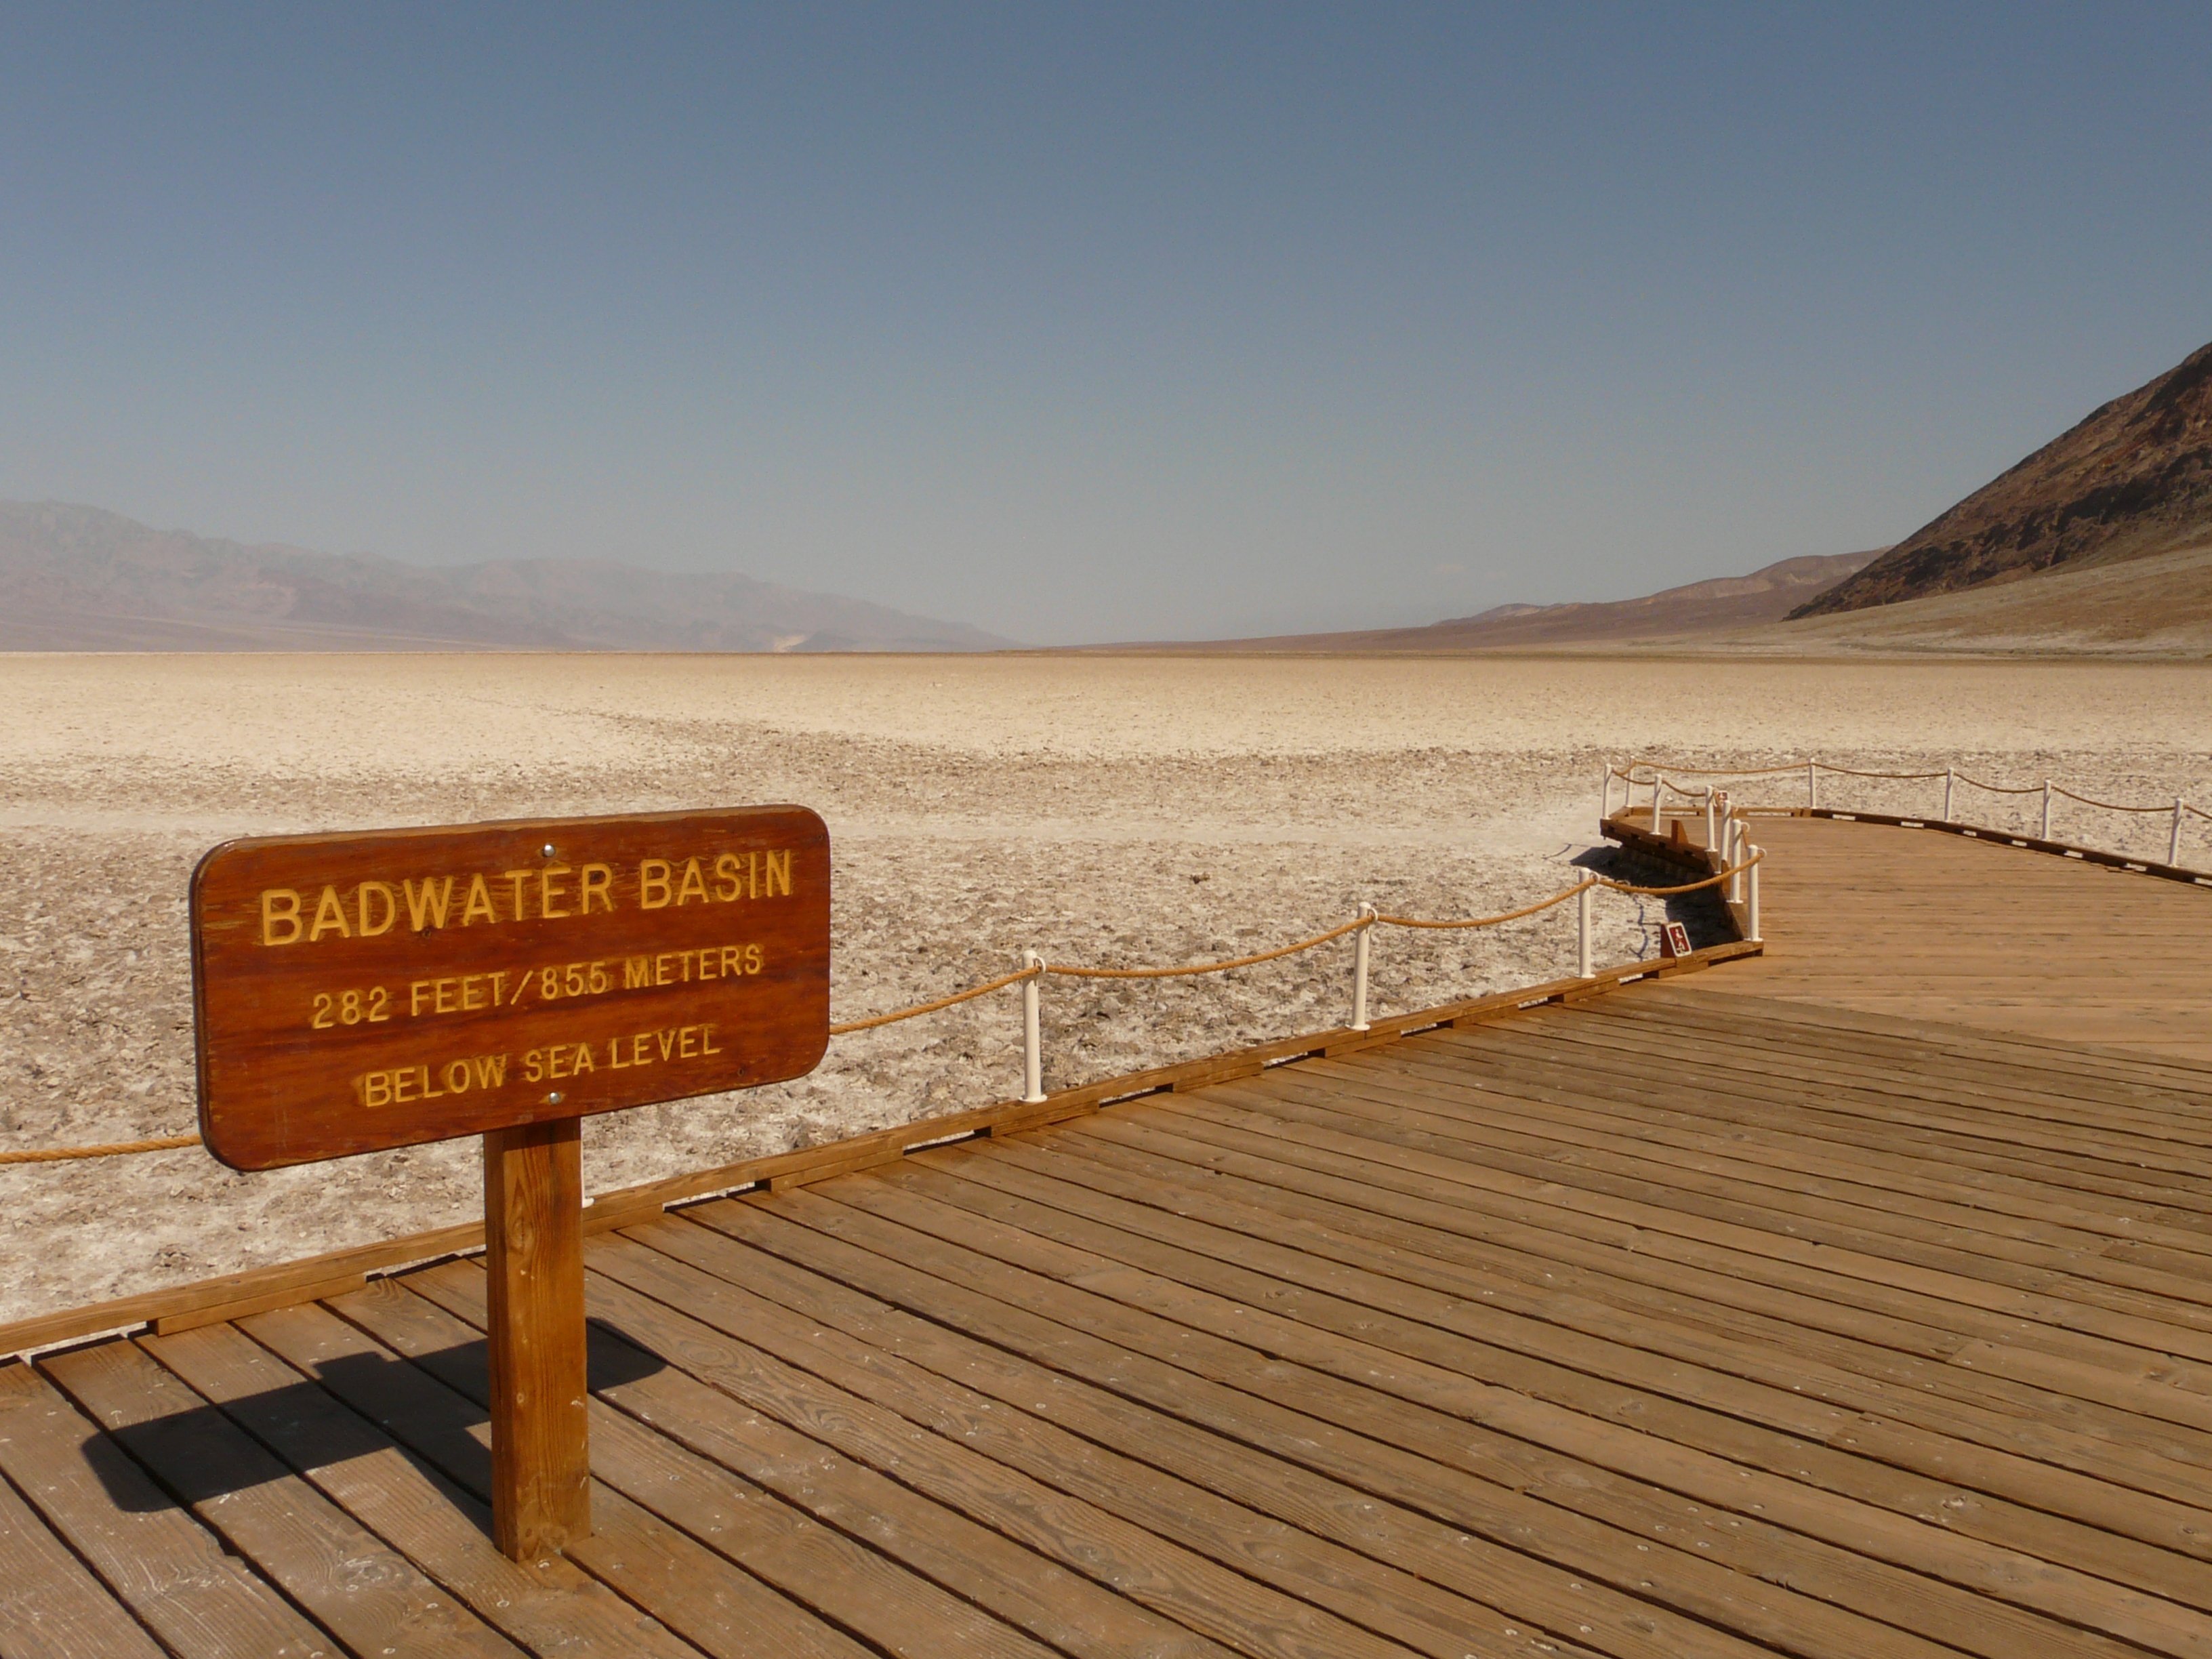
pixel 1089 321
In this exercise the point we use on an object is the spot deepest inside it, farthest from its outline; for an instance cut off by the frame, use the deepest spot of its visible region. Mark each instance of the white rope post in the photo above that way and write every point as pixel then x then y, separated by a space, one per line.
pixel 1032 1036
pixel 1583 946
pixel 1712 827
pixel 2173 841
pixel 1751 897
pixel 1950 777
pixel 1605 794
pixel 1811 787
pixel 2046 808
pixel 1359 967
pixel 1731 835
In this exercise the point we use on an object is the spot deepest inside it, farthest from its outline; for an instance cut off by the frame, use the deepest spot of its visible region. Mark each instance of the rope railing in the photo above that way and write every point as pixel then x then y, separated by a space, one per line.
pixel 113 1148
pixel 1036 969
pixel 1502 917
pixel 919 1008
pixel 1066 971
pixel 1662 781
pixel 2109 806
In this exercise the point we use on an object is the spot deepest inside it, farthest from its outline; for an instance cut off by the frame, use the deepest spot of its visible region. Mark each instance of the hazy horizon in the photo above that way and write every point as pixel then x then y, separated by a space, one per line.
pixel 1075 325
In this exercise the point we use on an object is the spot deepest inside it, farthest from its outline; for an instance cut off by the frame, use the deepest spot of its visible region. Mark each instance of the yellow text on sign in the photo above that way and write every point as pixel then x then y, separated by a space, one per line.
pixel 550 892
pixel 407 1085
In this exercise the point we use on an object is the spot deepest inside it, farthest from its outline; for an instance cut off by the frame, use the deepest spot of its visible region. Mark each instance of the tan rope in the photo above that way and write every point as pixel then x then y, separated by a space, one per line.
pixel 1687 887
pixel 1560 897
pixel 1906 777
pixel 967 995
pixel 116 1148
pixel 1710 771
pixel 1847 772
pixel 2109 806
pixel 1068 971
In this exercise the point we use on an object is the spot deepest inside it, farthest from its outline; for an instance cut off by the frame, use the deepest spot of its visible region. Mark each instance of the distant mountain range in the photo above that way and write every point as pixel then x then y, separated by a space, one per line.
pixel 80 579
pixel 2098 543
pixel 2132 481
pixel 1717 605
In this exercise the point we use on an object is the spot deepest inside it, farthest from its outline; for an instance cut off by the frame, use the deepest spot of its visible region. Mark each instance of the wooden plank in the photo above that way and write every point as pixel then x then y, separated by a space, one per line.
pixel 1010 1573
pixel 1950 1126
pixel 541 1471
pixel 2111 1394
pixel 1229 1607
pixel 1527 1089
pixel 1559 1330
pixel 700 1592
pixel 1872 1261
pixel 2052 949
pixel 1775 1119
pixel 283 1296
pixel 171 1573
pixel 300 1277
pixel 1958 1055
pixel 1495 1574
pixel 2092 1277
pixel 1954 1058
pixel 444 1530
pixel 51 1607
pixel 1853 1113
pixel 2108 1212
pixel 1441 1442
pixel 349 1580
pixel 954 1367
pixel 1470 1177
pixel 1137 1463
pixel 1420 1353
pixel 2071 1063
pixel 2098 1293
pixel 1472 1224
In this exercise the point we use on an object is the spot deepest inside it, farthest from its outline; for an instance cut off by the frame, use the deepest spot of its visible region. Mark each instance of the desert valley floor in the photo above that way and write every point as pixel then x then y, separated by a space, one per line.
pixel 1116 810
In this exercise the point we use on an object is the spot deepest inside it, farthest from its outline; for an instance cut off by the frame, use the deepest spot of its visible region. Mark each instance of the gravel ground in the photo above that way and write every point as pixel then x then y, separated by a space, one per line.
pixel 1115 811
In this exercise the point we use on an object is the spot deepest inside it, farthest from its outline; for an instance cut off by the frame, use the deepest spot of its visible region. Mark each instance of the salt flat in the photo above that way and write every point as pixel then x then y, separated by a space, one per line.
pixel 1109 809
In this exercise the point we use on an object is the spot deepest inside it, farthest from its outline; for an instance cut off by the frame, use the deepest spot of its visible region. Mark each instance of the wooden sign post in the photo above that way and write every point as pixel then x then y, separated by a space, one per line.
pixel 356 992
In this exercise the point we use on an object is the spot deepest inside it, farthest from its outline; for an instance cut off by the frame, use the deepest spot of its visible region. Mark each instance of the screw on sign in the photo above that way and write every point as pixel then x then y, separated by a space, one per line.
pixel 354 993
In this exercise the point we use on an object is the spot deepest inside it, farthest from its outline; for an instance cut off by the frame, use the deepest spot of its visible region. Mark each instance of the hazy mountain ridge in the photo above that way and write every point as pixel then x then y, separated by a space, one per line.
pixel 1763 595
pixel 1718 604
pixel 2131 481
pixel 81 578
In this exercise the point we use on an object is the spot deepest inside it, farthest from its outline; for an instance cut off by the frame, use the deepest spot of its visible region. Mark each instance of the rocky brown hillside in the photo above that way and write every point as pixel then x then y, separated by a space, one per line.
pixel 2133 480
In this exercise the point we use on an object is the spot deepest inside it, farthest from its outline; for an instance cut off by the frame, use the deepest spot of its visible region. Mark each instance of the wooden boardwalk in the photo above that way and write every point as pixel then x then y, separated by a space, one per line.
pixel 1926 925
pixel 1680 1321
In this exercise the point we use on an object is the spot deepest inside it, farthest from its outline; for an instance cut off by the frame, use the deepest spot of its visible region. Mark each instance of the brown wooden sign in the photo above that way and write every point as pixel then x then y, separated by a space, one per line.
pixel 357 992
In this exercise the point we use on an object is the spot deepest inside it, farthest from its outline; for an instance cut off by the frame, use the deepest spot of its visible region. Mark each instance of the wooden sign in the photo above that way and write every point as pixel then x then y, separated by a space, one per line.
pixel 358 992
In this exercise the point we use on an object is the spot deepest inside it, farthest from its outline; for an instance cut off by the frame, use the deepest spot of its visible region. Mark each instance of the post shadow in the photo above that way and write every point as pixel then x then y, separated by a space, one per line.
pixel 356 1404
